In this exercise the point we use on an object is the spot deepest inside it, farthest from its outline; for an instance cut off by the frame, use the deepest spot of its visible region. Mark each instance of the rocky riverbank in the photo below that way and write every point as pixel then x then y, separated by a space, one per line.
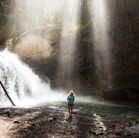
pixel 44 122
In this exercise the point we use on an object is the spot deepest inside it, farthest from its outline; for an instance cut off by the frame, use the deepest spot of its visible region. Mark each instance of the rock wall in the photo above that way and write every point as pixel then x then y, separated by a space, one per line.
pixel 124 34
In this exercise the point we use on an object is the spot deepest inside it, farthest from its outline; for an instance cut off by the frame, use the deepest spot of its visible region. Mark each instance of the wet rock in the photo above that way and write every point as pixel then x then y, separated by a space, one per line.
pixel 42 123
pixel 96 132
pixel 5 112
pixel 51 119
pixel 15 121
pixel 113 136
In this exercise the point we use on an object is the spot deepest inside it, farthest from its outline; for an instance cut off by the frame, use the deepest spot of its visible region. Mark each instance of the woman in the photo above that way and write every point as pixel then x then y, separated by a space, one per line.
pixel 70 100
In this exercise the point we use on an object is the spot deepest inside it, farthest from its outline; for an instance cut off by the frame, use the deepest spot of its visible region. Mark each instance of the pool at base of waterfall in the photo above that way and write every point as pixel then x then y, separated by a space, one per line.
pixel 115 116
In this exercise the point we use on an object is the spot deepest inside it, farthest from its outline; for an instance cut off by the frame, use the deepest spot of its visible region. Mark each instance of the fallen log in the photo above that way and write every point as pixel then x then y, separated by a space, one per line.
pixel 7 94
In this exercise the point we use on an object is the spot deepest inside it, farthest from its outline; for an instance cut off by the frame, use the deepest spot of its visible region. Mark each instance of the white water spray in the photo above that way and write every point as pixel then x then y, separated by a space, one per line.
pixel 23 85
pixel 26 88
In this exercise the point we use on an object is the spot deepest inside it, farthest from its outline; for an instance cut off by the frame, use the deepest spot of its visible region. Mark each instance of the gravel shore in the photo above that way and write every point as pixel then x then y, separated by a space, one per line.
pixel 44 122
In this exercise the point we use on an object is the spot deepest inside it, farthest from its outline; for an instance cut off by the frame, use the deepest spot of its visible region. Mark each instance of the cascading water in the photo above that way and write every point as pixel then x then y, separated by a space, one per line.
pixel 26 89
pixel 23 85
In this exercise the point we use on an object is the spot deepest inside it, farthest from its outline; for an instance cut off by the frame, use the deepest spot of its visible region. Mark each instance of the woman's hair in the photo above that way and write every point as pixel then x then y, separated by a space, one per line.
pixel 71 92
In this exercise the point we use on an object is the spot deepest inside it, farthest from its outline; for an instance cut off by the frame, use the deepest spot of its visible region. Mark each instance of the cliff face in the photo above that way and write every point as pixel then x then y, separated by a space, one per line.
pixel 125 34
pixel 125 50
pixel 87 75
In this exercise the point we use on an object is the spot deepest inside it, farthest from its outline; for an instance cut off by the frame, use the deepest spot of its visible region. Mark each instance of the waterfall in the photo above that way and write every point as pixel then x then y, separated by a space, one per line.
pixel 22 84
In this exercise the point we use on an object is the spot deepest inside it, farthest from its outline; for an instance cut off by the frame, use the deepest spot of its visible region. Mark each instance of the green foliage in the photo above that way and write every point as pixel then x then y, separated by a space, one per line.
pixel 4 16
pixel 86 40
pixel 81 27
pixel 1 33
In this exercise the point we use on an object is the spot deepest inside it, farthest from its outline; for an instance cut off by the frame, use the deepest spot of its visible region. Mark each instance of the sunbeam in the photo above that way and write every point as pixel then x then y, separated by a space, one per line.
pixel 68 39
pixel 102 42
